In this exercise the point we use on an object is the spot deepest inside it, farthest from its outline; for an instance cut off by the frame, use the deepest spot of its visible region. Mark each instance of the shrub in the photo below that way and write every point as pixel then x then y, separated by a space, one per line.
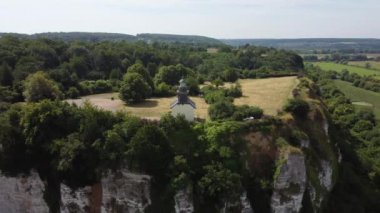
pixel 163 90
pixel 297 107
pixel 221 110
pixel 230 75
pixel 245 111
pixel 234 91
pixel 73 92
pixel 362 125
pixel 193 85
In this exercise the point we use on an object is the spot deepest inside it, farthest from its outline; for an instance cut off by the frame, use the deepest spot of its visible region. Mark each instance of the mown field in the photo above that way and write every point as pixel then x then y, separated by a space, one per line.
pixel 339 67
pixel 361 97
pixel 269 94
pixel 373 64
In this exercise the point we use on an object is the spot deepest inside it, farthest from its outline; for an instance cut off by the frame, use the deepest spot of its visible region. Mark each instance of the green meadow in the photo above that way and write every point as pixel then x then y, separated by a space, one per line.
pixel 373 64
pixel 353 69
pixel 360 97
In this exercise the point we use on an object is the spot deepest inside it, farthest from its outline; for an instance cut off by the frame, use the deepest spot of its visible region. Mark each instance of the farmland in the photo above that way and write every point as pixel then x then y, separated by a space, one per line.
pixel 353 69
pixel 269 94
pixel 361 97
pixel 373 64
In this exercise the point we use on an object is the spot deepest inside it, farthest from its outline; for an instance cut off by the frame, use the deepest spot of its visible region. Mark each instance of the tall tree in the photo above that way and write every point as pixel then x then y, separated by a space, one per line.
pixel 39 86
pixel 6 76
pixel 134 88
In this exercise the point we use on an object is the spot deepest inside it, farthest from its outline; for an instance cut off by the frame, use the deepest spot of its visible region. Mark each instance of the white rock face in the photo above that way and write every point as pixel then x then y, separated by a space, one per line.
pixel 75 201
pixel 123 191
pixel 184 201
pixel 325 176
pixel 22 194
pixel 305 143
pixel 326 127
pixel 245 204
pixel 290 185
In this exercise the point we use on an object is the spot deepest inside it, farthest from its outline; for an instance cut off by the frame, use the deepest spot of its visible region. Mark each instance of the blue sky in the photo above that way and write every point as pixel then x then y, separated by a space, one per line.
pixel 215 18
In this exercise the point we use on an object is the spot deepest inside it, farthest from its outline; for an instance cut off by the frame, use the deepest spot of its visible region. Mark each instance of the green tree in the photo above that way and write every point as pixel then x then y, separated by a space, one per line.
pixel 297 107
pixel 117 139
pixel 134 88
pixel 149 150
pixel 192 85
pixel 230 75
pixel 246 111
pixel 6 77
pixel 219 181
pixel 140 69
pixel 221 110
pixel 172 74
pixel 362 125
pixel 39 86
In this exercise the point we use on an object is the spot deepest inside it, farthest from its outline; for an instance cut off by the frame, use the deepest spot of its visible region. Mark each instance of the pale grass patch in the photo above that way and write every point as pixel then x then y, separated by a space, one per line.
pixel 269 94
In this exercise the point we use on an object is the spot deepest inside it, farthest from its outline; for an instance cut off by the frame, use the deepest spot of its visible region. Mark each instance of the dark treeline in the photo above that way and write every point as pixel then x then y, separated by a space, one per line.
pixel 98 37
pixel 81 68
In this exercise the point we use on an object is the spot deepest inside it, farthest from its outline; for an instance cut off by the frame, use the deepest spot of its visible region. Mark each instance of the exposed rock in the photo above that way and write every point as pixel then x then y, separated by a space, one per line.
pixel 316 200
pixel 75 201
pixel 305 143
pixel 245 204
pixel 237 204
pixel 125 192
pixel 325 176
pixel 184 201
pixel 22 194
pixel 290 185
pixel 326 127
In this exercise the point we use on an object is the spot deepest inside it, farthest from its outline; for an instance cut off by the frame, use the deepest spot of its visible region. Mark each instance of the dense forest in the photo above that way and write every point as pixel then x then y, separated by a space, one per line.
pixel 97 37
pixel 76 145
pixel 79 68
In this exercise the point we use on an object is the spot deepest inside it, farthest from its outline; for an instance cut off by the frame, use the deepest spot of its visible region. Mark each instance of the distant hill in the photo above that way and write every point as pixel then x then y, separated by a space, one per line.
pixel 309 45
pixel 178 38
pixel 95 37
pixel 71 36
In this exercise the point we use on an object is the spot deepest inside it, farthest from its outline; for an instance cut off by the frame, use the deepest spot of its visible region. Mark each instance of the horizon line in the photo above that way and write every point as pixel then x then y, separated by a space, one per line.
pixel 236 38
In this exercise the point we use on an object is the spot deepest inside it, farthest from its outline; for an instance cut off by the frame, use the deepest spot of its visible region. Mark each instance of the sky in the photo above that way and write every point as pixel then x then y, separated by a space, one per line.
pixel 214 18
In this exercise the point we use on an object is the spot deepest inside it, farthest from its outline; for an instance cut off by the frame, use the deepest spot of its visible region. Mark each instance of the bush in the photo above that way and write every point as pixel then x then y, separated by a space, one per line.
pixel 297 107
pixel 245 111
pixel 234 91
pixel 215 96
pixel 362 125
pixel 163 90
pixel 95 87
pixel 192 85
pixel 73 92
pixel 221 110
pixel 230 75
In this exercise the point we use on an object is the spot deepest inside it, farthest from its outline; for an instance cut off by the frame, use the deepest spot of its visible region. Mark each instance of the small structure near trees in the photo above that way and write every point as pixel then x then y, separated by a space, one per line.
pixel 183 105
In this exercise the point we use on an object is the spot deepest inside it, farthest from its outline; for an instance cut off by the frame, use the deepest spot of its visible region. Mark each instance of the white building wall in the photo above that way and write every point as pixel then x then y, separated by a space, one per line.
pixel 184 109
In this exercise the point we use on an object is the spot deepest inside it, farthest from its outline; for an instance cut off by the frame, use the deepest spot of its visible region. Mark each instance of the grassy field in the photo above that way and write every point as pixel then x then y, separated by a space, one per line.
pixel 361 97
pixel 269 94
pixel 374 64
pixel 339 67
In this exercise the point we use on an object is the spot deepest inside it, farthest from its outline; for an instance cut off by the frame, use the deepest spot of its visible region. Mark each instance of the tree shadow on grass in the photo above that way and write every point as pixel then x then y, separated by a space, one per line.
pixel 145 104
